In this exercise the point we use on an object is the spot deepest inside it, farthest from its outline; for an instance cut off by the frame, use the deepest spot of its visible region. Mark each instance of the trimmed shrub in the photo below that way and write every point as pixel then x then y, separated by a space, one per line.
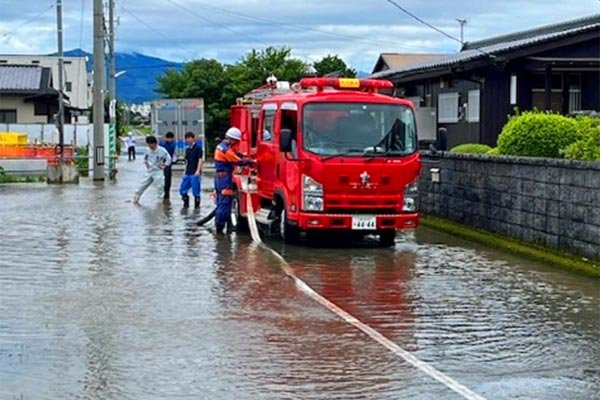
pixel 537 134
pixel 587 148
pixel 471 148
pixel 493 152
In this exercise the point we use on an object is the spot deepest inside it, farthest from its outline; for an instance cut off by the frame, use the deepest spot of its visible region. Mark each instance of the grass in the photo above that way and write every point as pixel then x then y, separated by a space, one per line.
pixel 21 179
pixel 562 260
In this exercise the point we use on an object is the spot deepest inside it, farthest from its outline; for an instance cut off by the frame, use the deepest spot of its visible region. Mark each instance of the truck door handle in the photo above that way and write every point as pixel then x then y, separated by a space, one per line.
pixel 277 171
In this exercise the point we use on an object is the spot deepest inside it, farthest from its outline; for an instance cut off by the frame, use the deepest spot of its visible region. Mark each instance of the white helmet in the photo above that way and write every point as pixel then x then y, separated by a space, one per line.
pixel 233 133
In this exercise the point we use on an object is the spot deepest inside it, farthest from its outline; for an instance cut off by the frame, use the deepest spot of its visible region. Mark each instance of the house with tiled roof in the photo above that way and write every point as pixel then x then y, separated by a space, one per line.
pixel 27 95
pixel 472 93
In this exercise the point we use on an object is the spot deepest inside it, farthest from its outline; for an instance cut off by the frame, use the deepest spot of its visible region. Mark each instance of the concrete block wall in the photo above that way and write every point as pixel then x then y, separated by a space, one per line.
pixel 551 202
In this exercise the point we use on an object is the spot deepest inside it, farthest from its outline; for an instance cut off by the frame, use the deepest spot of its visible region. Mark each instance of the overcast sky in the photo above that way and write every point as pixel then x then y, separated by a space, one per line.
pixel 357 30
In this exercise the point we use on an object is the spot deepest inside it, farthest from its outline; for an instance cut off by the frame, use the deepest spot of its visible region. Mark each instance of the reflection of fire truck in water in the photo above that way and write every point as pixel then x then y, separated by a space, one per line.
pixel 332 154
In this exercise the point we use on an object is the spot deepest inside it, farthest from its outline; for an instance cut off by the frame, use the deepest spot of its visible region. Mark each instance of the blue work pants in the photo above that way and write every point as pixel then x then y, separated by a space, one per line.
pixel 190 181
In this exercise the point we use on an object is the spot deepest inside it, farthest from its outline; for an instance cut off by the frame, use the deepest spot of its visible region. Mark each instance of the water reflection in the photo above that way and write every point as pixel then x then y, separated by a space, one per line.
pixel 100 299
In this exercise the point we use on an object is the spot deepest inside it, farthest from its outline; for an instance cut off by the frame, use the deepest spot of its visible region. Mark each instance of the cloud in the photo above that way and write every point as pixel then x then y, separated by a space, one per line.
pixel 357 30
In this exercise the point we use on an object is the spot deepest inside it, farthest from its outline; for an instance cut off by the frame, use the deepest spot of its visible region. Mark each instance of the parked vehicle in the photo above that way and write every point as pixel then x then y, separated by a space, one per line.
pixel 179 116
pixel 332 155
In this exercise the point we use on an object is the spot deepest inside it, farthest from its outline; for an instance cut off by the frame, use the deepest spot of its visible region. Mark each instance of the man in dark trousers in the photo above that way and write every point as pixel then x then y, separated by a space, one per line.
pixel 193 171
pixel 226 159
pixel 169 145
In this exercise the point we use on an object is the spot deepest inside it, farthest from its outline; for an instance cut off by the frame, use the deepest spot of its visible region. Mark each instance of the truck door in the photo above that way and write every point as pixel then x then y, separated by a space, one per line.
pixel 192 120
pixel 266 150
pixel 287 172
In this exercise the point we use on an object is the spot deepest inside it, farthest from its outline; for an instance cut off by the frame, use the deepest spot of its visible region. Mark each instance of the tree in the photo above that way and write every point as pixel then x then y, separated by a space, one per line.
pixel 221 85
pixel 334 65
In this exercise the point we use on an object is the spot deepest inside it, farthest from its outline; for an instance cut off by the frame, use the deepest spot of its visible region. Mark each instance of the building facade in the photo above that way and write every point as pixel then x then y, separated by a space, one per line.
pixel 76 85
pixel 472 93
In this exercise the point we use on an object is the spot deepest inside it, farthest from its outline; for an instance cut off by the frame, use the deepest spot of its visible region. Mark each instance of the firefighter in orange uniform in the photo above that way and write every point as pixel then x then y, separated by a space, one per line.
pixel 226 159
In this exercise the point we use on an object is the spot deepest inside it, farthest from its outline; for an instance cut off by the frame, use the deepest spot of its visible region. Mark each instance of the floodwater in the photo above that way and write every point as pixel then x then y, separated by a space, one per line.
pixel 100 299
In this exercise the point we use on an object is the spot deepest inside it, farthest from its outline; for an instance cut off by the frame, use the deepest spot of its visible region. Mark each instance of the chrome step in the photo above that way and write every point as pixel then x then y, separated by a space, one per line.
pixel 262 217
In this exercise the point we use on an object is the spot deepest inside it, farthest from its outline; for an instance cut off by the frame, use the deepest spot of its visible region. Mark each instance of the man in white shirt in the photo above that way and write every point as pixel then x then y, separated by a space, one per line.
pixel 130 142
pixel 155 160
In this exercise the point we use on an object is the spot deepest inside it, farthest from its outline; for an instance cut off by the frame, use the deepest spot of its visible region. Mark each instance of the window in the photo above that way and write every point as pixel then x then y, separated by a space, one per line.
pixel 473 106
pixel 267 131
pixel 358 129
pixel 289 120
pixel 448 107
pixel 539 92
pixel 574 82
pixel 68 62
pixel 69 86
pixel 8 116
pixel 35 62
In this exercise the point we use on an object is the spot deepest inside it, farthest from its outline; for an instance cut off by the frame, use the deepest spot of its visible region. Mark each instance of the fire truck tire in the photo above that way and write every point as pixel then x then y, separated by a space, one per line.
pixel 238 222
pixel 289 233
pixel 387 238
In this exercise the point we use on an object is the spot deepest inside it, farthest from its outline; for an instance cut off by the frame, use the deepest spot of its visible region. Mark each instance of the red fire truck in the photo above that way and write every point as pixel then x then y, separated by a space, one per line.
pixel 332 155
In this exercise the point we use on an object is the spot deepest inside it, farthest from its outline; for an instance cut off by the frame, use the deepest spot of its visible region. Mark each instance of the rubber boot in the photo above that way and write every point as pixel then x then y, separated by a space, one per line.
pixel 186 201
pixel 197 203
pixel 220 229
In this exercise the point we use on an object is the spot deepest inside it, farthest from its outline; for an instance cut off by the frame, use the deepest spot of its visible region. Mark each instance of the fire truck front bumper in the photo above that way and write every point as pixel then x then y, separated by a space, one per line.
pixel 358 222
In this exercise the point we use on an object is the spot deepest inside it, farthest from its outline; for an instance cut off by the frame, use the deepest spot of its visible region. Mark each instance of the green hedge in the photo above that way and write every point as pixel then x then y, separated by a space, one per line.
pixel 537 134
pixel 471 148
pixel 587 148
pixel 493 152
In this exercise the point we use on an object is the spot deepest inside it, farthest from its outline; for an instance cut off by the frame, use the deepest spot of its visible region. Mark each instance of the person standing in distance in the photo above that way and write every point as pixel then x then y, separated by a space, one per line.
pixel 226 158
pixel 193 171
pixel 169 145
pixel 155 160
pixel 130 142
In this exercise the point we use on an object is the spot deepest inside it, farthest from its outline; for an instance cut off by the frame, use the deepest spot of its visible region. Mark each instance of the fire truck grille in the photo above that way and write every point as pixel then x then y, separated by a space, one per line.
pixel 357 205
pixel 375 211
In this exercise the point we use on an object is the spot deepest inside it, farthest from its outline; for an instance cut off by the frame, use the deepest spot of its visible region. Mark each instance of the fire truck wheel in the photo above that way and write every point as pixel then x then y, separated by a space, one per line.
pixel 238 222
pixel 289 233
pixel 387 238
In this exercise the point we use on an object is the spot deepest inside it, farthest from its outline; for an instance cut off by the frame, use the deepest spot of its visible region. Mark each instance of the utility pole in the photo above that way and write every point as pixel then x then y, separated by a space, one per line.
pixel 60 120
pixel 98 95
pixel 112 88
pixel 463 23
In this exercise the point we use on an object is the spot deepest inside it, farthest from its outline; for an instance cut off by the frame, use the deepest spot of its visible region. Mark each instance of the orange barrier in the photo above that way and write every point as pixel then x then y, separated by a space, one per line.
pixel 50 153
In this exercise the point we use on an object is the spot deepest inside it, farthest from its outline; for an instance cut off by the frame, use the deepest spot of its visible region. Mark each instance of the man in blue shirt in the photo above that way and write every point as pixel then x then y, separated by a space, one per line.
pixel 169 145
pixel 193 170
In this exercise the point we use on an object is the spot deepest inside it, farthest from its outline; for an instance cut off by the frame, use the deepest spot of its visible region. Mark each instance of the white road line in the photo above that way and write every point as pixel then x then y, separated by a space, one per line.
pixel 349 318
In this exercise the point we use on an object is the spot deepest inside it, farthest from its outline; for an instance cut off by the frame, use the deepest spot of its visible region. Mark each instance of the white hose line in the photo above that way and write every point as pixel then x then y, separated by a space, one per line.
pixel 350 319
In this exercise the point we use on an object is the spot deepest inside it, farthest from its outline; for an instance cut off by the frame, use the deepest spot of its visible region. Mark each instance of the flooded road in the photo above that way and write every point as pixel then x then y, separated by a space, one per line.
pixel 100 299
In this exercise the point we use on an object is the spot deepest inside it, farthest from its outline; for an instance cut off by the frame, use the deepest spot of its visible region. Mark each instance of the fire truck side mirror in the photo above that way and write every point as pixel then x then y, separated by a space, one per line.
pixel 285 141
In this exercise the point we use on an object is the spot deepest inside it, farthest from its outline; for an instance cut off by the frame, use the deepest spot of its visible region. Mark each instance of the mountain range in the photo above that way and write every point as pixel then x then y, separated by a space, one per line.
pixel 138 81
pixel 136 85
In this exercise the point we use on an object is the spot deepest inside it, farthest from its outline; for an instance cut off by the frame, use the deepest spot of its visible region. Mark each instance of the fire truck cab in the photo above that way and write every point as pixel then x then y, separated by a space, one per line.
pixel 332 155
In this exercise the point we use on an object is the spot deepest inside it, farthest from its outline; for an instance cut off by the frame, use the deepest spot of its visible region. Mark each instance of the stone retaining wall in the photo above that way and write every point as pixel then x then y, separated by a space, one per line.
pixel 551 202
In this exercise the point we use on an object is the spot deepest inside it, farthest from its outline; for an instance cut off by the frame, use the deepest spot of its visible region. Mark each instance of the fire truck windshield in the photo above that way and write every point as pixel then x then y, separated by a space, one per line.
pixel 358 129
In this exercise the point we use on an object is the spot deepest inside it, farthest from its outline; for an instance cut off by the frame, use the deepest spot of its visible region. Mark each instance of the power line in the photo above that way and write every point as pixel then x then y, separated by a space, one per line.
pixel 158 33
pixel 221 26
pixel 404 10
pixel 9 33
pixel 303 28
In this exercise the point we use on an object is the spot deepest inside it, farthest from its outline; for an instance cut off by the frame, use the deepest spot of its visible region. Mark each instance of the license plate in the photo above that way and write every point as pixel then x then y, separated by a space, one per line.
pixel 364 222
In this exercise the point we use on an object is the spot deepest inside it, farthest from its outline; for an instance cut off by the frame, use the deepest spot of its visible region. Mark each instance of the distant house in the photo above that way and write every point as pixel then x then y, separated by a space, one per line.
pixel 75 76
pixel 387 61
pixel 27 95
pixel 471 93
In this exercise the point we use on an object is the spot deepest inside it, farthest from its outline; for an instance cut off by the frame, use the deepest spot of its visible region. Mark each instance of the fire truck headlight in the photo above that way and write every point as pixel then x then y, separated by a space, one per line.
pixel 411 192
pixel 312 194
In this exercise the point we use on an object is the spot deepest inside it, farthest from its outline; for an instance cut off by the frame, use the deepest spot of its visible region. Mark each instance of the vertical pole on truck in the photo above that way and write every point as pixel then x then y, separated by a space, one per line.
pixel 60 120
pixel 112 89
pixel 98 95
